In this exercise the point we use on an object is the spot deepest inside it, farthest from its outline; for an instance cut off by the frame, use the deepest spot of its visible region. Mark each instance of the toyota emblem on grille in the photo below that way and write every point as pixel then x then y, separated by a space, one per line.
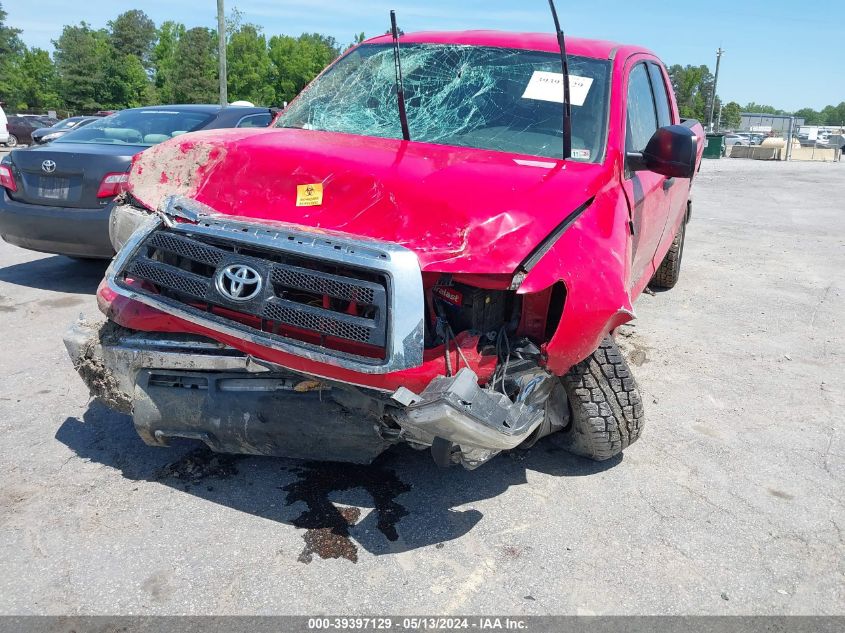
pixel 238 282
pixel 48 166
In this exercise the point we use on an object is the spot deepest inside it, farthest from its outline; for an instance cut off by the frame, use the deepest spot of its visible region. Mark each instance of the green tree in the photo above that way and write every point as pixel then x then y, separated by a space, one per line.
pixel 693 87
pixel 195 67
pixel 356 39
pixel 80 57
pixel 37 81
pixel 297 61
pixel 731 115
pixel 133 33
pixel 250 70
pixel 164 59
pixel 762 109
pixel 810 116
pixel 834 115
pixel 11 51
pixel 126 83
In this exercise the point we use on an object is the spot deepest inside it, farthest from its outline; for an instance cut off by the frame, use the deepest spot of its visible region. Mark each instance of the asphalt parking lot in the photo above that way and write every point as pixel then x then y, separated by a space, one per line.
pixel 731 503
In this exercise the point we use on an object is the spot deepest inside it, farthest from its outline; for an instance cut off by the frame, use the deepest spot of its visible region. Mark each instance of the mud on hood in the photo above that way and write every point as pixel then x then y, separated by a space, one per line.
pixel 459 209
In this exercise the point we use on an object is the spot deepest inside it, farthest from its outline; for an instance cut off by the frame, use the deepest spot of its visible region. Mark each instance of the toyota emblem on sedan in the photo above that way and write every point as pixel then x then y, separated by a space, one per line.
pixel 239 282
pixel 48 166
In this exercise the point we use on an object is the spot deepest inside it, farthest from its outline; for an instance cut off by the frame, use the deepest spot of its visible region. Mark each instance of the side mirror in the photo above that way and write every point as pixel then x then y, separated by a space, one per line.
pixel 671 151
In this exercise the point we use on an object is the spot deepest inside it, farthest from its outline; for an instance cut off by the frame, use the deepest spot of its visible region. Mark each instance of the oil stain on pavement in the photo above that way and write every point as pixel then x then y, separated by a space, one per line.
pixel 326 525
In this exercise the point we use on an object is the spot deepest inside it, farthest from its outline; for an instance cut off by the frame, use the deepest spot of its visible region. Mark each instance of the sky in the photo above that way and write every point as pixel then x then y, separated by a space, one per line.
pixel 777 52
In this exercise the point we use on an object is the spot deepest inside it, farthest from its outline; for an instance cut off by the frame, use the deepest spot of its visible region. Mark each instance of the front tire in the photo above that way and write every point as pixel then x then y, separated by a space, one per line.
pixel 669 271
pixel 605 405
pixel 13 141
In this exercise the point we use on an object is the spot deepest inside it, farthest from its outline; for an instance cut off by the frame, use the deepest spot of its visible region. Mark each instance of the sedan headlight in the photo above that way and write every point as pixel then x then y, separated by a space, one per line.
pixel 50 137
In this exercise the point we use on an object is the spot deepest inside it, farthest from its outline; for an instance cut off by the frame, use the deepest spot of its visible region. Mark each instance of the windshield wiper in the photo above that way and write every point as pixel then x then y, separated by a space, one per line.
pixel 400 90
pixel 567 106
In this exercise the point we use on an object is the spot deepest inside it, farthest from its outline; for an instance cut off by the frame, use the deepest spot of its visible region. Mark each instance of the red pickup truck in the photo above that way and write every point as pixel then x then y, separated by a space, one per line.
pixel 326 288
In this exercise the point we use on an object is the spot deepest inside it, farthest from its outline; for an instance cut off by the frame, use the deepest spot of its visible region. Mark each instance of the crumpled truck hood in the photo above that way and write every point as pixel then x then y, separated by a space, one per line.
pixel 461 210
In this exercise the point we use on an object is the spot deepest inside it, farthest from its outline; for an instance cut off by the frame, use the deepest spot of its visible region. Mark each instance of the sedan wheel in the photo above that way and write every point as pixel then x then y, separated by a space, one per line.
pixel 13 141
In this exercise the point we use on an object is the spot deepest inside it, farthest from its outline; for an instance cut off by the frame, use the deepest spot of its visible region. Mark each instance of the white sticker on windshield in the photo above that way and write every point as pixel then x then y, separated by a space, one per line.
pixel 582 154
pixel 545 86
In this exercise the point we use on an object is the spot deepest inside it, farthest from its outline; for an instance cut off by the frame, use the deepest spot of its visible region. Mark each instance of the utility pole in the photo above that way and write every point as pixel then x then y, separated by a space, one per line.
pixel 715 83
pixel 221 47
pixel 788 148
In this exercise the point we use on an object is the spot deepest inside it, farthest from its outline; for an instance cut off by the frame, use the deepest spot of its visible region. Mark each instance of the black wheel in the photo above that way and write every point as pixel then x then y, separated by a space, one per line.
pixel 606 409
pixel 667 274
pixel 13 141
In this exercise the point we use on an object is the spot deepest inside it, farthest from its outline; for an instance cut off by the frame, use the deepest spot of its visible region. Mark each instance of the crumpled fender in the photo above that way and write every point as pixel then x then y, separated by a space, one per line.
pixel 592 259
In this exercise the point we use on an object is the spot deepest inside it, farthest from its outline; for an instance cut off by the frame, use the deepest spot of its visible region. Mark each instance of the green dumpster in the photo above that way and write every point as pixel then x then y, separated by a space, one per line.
pixel 714 146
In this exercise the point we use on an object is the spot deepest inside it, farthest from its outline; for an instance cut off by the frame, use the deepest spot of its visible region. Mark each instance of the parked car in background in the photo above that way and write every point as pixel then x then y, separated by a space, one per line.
pixel 21 129
pixel 55 198
pixel 46 134
pixel 4 132
pixel 735 139
pixel 43 120
pixel 756 139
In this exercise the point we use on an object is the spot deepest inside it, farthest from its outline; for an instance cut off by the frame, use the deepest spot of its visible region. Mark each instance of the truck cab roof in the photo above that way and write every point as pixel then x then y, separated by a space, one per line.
pixel 546 42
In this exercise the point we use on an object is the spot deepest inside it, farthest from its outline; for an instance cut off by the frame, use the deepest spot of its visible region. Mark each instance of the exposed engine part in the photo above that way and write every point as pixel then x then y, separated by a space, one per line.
pixel 468 308
pixel 519 368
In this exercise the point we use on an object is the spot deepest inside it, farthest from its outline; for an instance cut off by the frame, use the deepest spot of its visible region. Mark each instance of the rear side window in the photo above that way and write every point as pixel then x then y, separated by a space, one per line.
pixel 255 120
pixel 642 119
pixel 661 97
pixel 139 127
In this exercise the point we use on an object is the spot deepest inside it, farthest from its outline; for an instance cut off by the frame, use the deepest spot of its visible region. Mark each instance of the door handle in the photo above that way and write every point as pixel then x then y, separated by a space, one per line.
pixel 667 184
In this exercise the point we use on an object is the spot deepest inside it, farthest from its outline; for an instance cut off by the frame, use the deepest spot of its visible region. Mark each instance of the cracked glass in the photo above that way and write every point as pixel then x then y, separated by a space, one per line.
pixel 468 96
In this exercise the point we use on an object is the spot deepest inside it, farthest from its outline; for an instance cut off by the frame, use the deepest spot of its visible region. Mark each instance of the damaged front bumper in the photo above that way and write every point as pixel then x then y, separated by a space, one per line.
pixel 177 385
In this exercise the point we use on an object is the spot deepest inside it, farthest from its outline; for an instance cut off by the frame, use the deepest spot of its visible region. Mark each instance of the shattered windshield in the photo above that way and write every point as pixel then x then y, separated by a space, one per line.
pixel 490 98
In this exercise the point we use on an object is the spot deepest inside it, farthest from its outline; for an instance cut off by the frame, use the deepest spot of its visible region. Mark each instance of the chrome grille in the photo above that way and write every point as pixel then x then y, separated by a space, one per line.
pixel 163 276
pixel 189 248
pixel 323 284
pixel 391 271
pixel 312 300
pixel 312 319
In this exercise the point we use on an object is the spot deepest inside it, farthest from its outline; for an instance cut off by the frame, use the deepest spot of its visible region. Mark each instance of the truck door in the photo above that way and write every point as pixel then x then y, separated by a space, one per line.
pixel 648 201
pixel 677 189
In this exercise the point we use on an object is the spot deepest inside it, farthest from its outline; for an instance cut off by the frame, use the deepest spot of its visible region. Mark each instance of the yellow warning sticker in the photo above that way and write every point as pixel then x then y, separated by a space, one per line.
pixel 309 195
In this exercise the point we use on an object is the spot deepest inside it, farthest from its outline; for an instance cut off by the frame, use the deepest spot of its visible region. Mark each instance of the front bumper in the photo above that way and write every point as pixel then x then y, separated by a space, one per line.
pixel 177 385
pixel 62 230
